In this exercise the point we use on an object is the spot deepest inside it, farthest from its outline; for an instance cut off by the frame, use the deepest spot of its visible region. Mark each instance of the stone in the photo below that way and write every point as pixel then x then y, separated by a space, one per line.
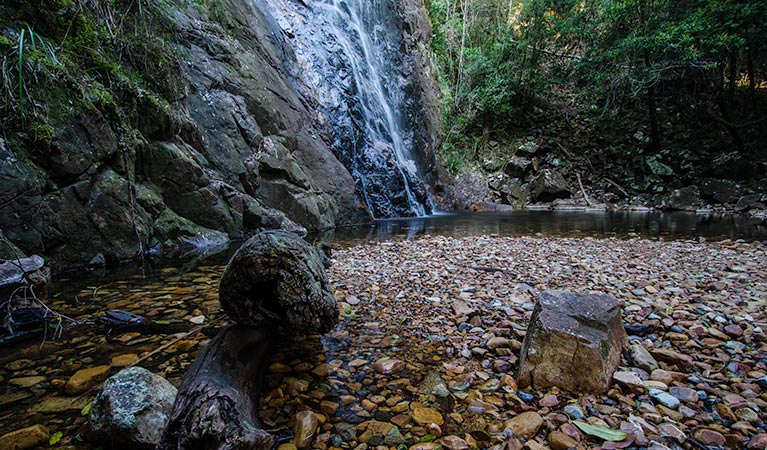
pixel 452 442
pixel 630 381
pixel 549 185
pixel 25 438
pixel 305 428
pixel 125 360
pixel 12 272
pixel 423 416
pixel 671 357
pixel 561 441
pixel 59 404
pixel 574 412
pixel 525 425
pixel 26 382
pixel 85 379
pixel 389 366
pixel 497 342
pixel 684 394
pixel 573 342
pixel 758 442
pixel 685 199
pixel 133 408
pixel 643 359
pixel 462 309
pixel 664 398
pixel 708 437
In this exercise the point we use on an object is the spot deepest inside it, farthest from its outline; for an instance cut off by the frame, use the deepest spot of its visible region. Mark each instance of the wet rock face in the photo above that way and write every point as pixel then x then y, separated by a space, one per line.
pixel 366 66
pixel 277 280
pixel 132 409
pixel 190 174
pixel 573 342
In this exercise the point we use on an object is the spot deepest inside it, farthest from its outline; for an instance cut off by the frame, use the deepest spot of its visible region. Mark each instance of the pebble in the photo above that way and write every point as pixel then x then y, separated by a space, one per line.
pixel 561 441
pixel 525 425
pixel 664 398
pixel 574 412
pixel 84 379
pixel 629 380
pixel 389 366
pixel 305 428
pixel 683 393
pixel 26 382
pixel 709 437
pixel 25 438
pixel 423 415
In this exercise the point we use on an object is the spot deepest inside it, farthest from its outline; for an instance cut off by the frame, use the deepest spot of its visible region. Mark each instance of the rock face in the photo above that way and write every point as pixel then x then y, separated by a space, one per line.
pixel 132 409
pixel 549 185
pixel 573 342
pixel 237 144
pixel 277 280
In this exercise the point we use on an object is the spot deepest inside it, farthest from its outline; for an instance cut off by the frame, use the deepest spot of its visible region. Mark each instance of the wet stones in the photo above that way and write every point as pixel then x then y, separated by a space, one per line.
pixel 25 438
pixel 525 425
pixel 305 428
pixel 573 342
pixel 133 409
pixel 85 379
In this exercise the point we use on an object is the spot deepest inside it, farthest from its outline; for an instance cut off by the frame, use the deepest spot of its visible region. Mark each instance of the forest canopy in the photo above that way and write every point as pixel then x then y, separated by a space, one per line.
pixel 666 68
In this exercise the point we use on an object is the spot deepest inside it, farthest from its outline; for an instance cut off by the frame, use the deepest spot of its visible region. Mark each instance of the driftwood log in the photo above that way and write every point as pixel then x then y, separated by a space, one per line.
pixel 275 285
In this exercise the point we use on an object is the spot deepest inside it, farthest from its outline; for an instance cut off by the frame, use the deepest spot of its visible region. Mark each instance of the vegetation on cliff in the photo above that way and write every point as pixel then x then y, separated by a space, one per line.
pixel 654 93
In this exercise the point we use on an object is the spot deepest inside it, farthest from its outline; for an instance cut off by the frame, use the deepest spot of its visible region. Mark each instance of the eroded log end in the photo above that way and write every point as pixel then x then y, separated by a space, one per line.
pixel 277 280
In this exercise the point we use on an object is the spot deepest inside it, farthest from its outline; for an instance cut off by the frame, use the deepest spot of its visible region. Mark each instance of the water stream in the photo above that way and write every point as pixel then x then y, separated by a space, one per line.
pixel 349 60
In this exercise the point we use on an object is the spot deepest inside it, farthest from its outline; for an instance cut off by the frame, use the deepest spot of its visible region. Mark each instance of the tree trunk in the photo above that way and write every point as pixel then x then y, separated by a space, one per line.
pixel 218 399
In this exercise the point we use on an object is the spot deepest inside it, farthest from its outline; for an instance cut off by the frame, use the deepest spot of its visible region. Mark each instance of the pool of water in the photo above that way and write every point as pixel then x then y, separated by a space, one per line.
pixel 672 225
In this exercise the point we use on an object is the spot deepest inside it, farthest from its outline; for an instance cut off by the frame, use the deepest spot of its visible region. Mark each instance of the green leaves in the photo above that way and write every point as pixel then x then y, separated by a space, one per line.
pixel 55 438
pixel 608 434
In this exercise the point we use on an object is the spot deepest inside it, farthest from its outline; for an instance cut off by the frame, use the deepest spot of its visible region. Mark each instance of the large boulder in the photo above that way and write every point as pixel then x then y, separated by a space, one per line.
pixel 549 185
pixel 277 280
pixel 132 410
pixel 684 199
pixel 573 342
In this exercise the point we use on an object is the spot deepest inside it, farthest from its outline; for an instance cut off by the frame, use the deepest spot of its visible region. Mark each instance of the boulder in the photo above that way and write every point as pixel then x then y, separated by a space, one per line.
pixel 684 199
pixel 720 191
pixel 747 202
pixel 518 166
pixel 132 410
pixel 573 342
pixel 549 185
pixel 12 271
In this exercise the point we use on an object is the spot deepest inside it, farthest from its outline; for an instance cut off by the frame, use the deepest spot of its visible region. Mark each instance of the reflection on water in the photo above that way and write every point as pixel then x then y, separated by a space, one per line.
pixel 560 223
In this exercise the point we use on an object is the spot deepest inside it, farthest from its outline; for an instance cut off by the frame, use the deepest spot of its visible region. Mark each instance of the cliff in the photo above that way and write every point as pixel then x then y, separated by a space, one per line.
pixel 144 126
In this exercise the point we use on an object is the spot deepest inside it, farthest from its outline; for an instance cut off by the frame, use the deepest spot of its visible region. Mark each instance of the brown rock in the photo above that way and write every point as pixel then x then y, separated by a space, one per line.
pixel 629 381
pixel 423 416
pixel 305 428
pixel 525 425
pixel 561 441
pixel 708 437
pixel 26 382
pixel 126 360
pixel 573 342
pixel 85 379
pixel 425 446
pixel 671 357
pixel 389 366
pixel 453 442
pixel 758 442
pixel 25 438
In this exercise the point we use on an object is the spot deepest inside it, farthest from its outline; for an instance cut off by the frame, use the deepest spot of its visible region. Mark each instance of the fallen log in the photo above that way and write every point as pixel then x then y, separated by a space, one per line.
pixel 275 285
pixel 218 397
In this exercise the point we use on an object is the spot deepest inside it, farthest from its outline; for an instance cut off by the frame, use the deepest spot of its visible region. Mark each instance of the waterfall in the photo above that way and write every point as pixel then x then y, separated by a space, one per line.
pixel 350 56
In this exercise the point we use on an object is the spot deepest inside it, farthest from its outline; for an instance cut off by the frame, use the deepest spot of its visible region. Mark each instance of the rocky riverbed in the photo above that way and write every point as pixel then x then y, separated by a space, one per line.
pixel 428 347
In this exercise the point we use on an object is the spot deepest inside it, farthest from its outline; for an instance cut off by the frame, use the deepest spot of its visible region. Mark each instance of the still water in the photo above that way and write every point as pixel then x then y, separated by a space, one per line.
pixel 670 225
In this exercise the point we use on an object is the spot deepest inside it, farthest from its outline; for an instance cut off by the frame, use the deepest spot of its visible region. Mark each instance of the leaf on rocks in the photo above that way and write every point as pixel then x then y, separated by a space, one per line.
pixel 55 438
pixel 86 409
pixel 427 438
pixel 599 431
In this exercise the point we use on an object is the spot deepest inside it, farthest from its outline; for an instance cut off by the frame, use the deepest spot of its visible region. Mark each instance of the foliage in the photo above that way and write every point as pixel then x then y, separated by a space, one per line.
pixel 500 60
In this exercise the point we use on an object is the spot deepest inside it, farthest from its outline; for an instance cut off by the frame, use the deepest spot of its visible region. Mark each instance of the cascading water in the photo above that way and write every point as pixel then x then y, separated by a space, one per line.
pixel 349 54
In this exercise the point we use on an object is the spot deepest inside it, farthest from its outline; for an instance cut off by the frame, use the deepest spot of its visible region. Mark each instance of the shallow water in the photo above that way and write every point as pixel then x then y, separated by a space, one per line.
pixel 182 289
